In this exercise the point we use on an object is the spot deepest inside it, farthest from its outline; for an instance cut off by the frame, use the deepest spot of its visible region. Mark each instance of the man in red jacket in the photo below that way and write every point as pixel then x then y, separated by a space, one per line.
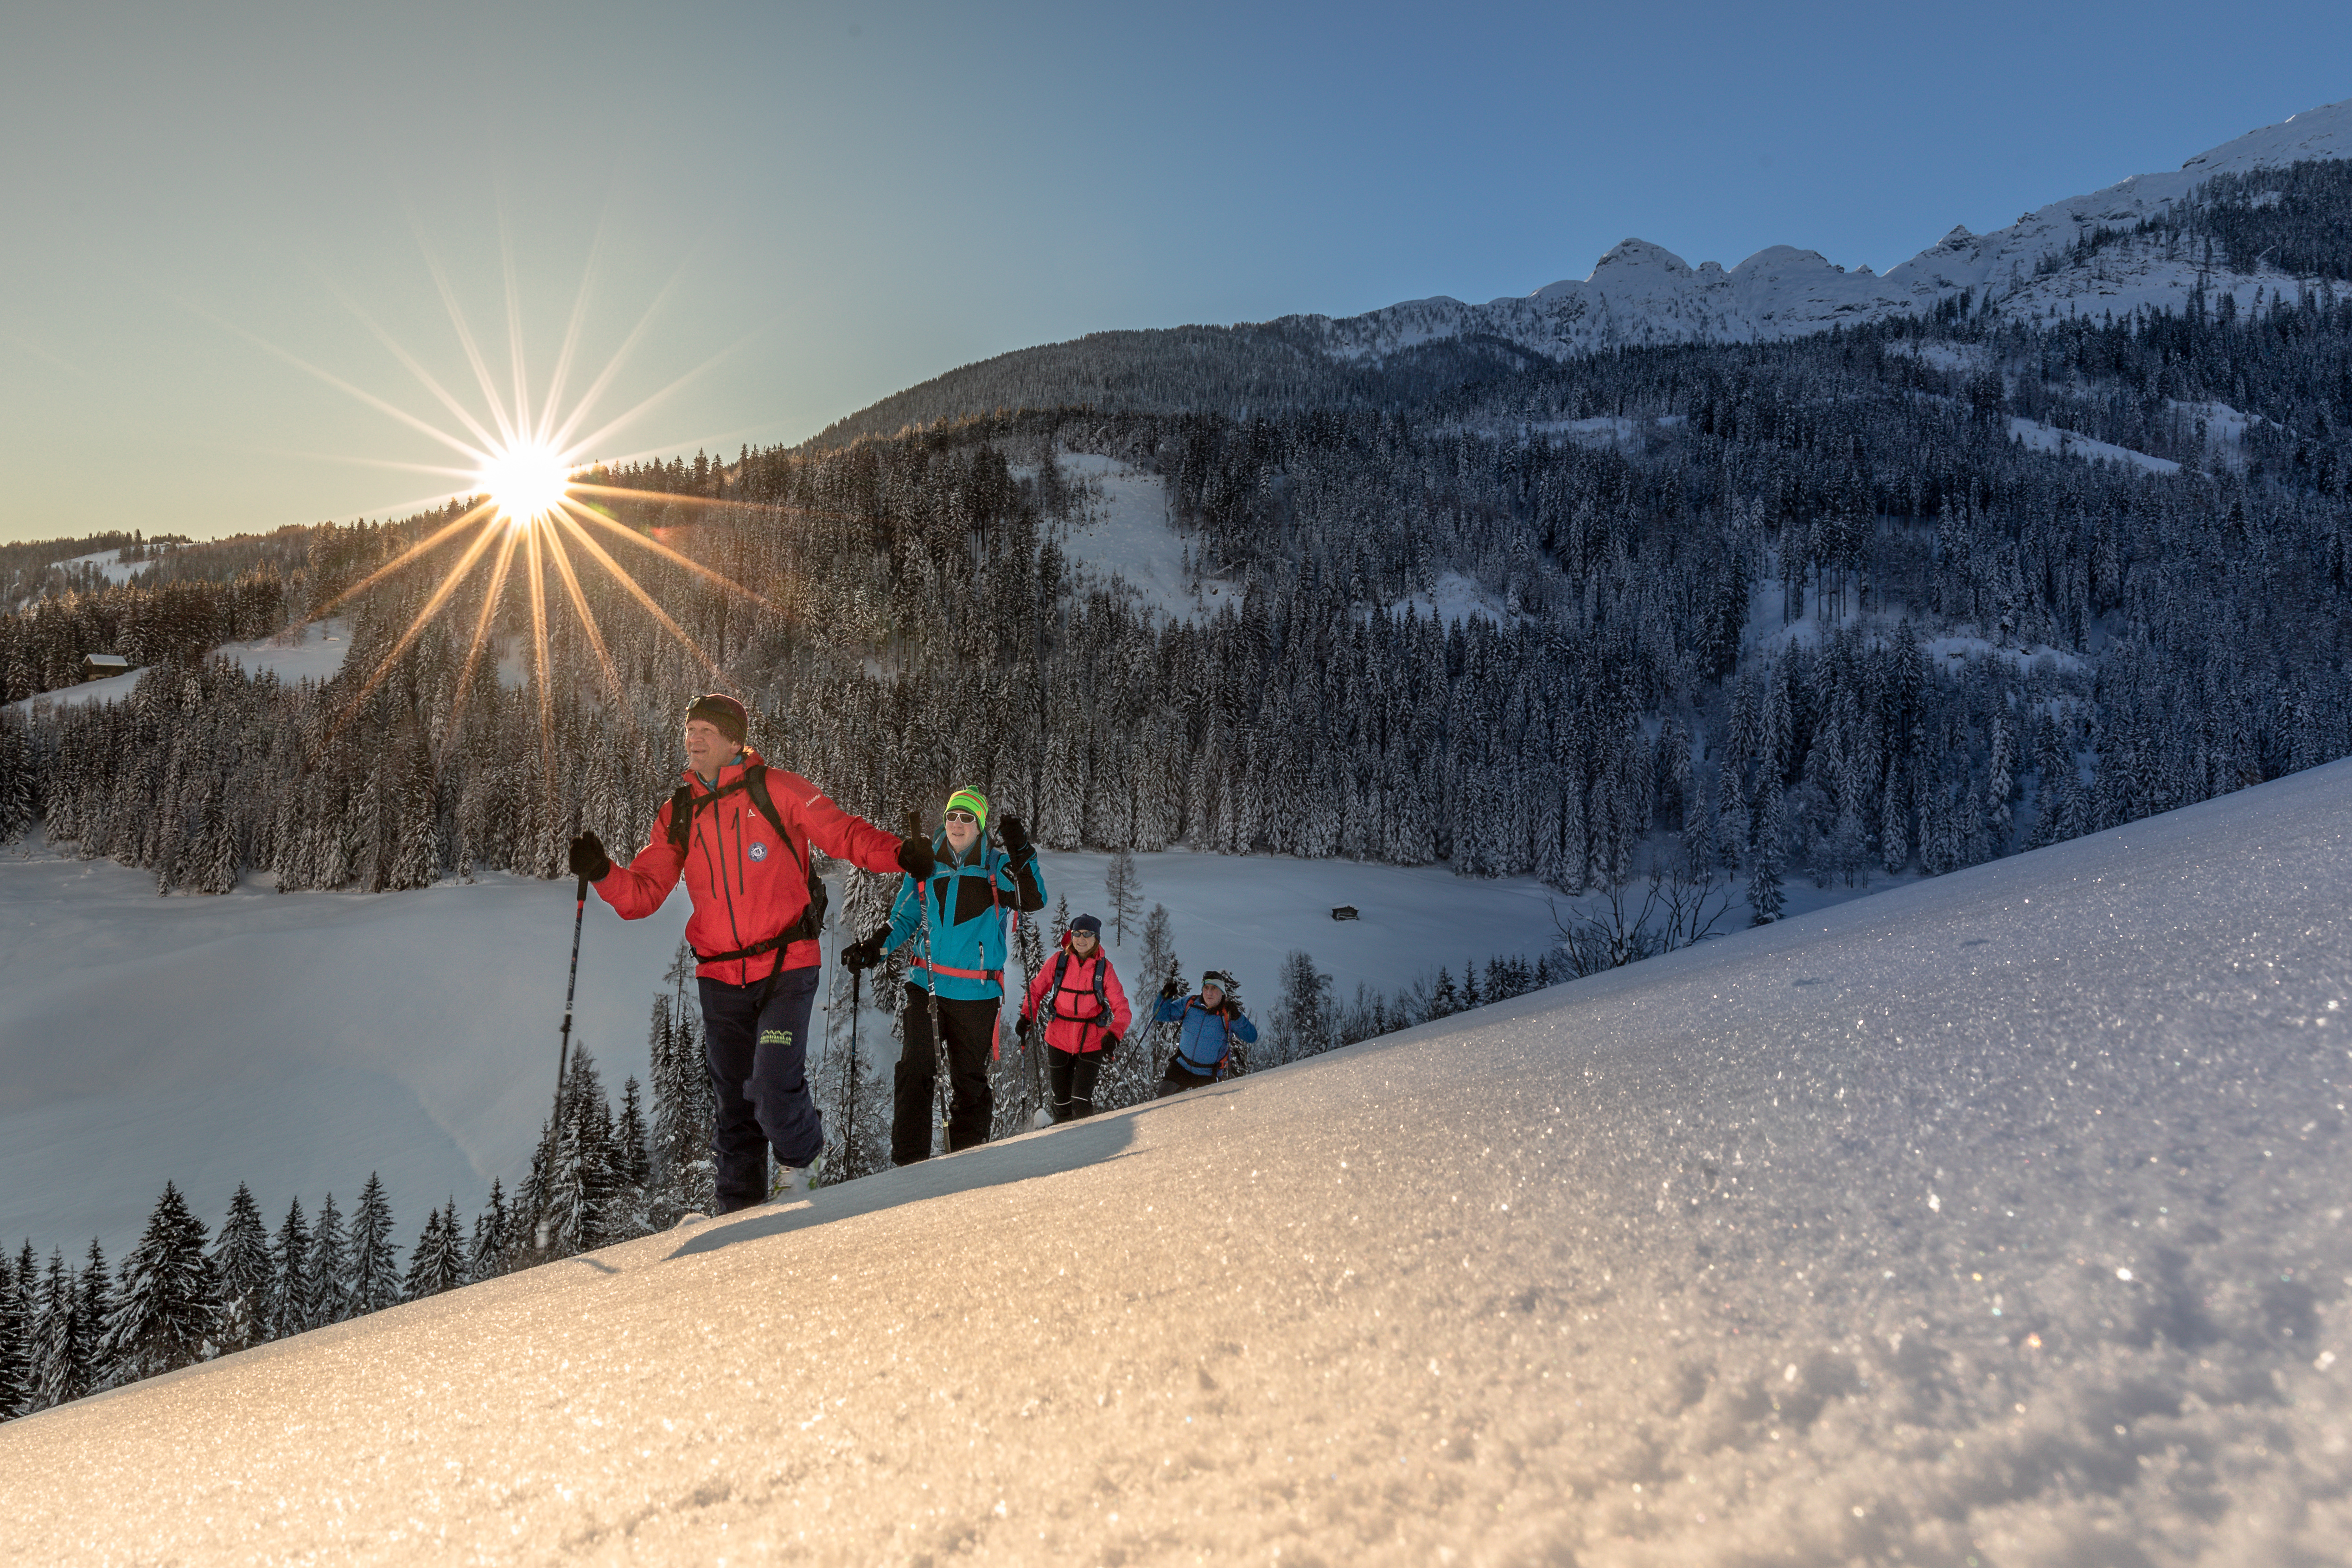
pixel 743 849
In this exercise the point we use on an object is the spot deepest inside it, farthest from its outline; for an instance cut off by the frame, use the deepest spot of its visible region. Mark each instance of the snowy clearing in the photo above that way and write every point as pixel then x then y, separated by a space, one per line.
pixel 1456 597
pixel 2002 1215
pixel 2043 438
pixel 312 652
pixel 111 563
pixel 1126 529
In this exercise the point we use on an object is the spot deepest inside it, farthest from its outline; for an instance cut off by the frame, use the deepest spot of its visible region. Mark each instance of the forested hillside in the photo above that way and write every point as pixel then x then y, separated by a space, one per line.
pixel 1721 568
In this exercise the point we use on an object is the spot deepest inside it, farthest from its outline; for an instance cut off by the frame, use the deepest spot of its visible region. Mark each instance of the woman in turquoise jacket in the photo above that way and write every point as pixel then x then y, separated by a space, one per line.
pixel 973 893
pixel 1212 1022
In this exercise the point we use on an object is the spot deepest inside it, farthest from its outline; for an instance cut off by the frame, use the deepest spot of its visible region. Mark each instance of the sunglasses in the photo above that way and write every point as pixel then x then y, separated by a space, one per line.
pixel 961 816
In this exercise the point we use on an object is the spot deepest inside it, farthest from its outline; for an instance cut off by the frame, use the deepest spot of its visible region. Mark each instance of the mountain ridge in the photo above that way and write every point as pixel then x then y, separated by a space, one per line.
pixel 1639 292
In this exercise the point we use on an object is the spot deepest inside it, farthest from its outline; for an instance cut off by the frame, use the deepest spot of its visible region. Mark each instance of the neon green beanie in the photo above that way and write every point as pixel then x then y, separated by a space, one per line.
pixel 973 801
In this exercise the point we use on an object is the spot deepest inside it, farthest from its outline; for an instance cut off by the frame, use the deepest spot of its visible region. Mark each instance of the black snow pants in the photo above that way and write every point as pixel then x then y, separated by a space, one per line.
pixel 759 1079
pixel 971 1029
pixel 1180 1078
pixel 1071 1075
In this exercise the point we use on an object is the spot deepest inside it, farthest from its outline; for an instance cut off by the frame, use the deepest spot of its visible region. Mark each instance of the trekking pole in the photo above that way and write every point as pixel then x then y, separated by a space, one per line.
pixel 931 975
pixel 850 1119
pixel 563 1047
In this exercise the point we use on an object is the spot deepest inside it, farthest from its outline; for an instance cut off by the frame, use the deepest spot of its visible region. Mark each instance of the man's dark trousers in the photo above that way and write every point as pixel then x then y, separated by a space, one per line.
pixel 758 1077
pixel 971 1029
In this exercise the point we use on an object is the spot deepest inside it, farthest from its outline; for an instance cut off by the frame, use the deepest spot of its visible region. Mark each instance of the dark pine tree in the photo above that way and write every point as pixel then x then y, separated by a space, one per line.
pixel 16 1282
pixel 330 1268
pixel 167 1311
pixel 293 1304
pixel 487 1258
pixel 375 1268
pixel 241 1257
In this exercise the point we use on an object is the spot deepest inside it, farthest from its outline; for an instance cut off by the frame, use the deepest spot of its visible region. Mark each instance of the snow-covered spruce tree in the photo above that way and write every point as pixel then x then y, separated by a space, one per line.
pixel 624 1211
pixel 581 1175
pixel 166 1312
pixel 1302 1021
pixel 16 774
pixel 375 1263
pixel 59 1365
pixel 94 1298
pixel 486 1258
pixel 16 1322
pixel 241 1261
pixel 678 1153
pixel 330 1268
pixel 438 1263
pixel 1123 891
pixel 1764 895
pixel 293 1303
pixel 1133 1075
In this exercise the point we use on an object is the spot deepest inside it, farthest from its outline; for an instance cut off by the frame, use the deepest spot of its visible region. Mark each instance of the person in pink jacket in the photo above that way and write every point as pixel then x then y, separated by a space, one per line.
pixel 1078 996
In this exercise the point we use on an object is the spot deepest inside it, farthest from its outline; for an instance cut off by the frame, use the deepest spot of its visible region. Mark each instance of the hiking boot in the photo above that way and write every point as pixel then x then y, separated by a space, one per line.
pixel 794 1181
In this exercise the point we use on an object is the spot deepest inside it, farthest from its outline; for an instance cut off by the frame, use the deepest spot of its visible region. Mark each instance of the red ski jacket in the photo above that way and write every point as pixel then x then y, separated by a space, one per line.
pixel 1079 1018
pixel 747 875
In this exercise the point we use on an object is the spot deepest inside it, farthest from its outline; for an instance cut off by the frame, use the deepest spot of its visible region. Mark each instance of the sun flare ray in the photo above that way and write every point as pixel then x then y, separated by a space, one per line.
pixel 579 607
pixel 538 585
pixel 439 596
pixel 638 591
pixel 508 540
pixel 659 548
pixel 425 378
pixel 405 556
pixel 506 436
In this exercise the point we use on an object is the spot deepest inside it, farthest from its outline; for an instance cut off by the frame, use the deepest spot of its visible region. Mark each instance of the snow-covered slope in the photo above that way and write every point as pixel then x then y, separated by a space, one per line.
pixel 1999 1217
pixel 1640 292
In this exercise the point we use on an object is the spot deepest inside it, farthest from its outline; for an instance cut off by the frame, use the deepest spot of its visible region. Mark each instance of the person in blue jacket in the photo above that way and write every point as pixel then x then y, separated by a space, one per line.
pixel 1212 1022
pixel 973 892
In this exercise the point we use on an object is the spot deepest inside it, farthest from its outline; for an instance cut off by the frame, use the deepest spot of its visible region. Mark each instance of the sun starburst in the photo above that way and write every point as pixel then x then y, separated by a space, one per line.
pixel 526 481
pixel 527 497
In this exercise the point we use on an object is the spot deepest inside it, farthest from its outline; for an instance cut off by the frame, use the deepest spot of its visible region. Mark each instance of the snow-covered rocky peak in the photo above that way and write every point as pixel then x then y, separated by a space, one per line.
pixel 1641 292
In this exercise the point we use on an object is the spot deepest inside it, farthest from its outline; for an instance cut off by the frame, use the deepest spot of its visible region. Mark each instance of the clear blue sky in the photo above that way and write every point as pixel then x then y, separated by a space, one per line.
pixel 842 199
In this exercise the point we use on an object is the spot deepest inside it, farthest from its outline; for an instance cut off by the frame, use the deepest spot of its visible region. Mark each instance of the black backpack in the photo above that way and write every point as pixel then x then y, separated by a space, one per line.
pixel 684 802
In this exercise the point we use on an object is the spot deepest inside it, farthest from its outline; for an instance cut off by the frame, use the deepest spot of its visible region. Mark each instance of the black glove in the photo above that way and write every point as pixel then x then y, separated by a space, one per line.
pixel 1016 838
pixel 588 858
pixel 1022 1029
pixel 1170 992
pixel 866 954
pixel 915 859
pixel 1111 1047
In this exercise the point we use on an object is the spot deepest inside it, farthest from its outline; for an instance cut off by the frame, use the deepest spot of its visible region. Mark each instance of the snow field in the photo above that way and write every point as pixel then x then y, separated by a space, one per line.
pixel 2042 437
pixel 1126 530
pixel 1998 1217
pixel 297 1043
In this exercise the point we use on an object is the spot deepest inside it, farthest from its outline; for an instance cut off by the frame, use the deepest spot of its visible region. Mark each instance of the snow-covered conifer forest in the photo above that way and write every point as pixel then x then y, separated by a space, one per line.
pixel 2057 541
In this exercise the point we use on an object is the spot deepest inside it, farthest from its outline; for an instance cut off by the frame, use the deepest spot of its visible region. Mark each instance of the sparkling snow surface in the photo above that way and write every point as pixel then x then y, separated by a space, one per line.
pixel 1999 1217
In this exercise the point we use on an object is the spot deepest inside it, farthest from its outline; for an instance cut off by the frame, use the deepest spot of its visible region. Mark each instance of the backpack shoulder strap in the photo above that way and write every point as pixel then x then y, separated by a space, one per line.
pixel 681 816
pixel 755 781
pixel 1053 1007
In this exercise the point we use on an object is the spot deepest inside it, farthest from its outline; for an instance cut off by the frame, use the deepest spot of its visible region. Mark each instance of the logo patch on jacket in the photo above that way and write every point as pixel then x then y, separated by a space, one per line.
pixel 758 852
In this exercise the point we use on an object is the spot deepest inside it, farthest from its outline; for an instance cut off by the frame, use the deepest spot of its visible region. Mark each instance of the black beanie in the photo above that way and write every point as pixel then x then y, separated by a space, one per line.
pixel 723 713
